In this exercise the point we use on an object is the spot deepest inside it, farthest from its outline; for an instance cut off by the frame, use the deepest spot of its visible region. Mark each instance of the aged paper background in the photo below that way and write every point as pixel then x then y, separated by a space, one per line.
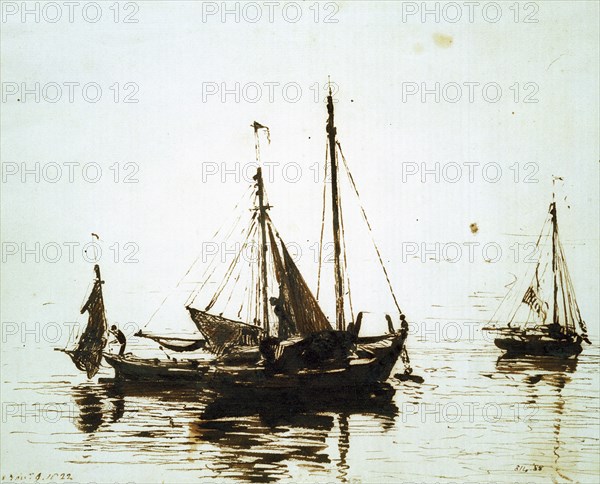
pixel 131 120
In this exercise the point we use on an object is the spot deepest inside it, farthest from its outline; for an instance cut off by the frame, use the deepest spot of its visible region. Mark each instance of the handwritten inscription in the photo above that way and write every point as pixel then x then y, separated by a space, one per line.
pixel 528 468
pixel 37 477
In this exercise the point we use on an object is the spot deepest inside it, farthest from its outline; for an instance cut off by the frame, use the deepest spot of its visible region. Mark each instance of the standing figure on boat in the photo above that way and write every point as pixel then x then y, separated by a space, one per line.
pixel 287 328
pixel 120 338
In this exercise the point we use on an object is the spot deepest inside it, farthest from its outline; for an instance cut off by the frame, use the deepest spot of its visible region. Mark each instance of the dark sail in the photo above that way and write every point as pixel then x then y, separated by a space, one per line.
pixel 282 304
pixel 299 305
pixel 88 353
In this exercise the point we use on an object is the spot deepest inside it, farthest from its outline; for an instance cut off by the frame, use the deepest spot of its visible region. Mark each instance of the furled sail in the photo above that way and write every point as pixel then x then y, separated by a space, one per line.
pixel 88 353
pixel 566 309
pixel 301 309
pixel 223 334
pixel 174 344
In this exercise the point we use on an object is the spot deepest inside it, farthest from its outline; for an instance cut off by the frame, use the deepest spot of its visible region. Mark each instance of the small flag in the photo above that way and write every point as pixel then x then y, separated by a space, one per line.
pixel 257 126
pixel 535 303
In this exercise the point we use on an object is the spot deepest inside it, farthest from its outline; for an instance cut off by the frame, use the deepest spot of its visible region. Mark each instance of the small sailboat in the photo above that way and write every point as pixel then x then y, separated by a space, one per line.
pixel 90 349
pixel 553 326
pixel 87 354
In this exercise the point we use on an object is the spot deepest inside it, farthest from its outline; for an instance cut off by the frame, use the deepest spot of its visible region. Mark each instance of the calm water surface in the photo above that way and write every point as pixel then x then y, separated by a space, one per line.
pixel 473 419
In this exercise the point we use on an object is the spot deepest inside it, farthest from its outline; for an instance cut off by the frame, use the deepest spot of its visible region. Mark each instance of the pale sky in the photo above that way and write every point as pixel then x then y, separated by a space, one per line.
pixel 181 131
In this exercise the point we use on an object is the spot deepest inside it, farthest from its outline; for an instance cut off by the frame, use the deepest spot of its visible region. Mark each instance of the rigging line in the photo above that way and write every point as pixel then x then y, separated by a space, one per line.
pixel 514 313
pixel 580 320
pixel 211 267
pixel 516 305
pixel 537 245
pixel 566 309
pixel 560 268
pixel 173 290
pixel 569 288
pixel 168 295
pixel 235 281
pixel 274 284
pixel 259 286
pixel 252 202
pixel 546 220
pixel 573 300
pixel 252 310
pixel 243 298
pixel 213 270
pixel 370 229
pixel 228 273
pixel 322 220
pixel 241 267
pixel 499 306
pixel 239 313
pixel 249 188
pixel 257 283
pixel 345 260
pixel 234 262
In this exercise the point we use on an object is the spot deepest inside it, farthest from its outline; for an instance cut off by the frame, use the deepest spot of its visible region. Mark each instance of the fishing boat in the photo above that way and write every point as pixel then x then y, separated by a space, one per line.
pixel 300 347
pixel 553 326
pixel 90 350
pixel 279 336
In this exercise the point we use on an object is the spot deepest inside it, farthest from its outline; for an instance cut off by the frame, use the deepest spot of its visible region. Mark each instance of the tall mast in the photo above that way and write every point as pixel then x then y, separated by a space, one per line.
pixel 554 258
pixel 262 220
pixel 262 215
pixel 339 281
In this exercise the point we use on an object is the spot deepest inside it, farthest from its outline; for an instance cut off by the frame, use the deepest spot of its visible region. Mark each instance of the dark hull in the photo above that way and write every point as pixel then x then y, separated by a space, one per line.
pixel 539 347
pixel 382 354
pixel 151 369
pixel 376 368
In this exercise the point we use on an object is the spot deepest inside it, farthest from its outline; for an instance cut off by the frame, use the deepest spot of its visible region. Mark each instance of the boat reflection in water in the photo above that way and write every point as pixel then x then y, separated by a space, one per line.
pixel 237 434
pixel 535 372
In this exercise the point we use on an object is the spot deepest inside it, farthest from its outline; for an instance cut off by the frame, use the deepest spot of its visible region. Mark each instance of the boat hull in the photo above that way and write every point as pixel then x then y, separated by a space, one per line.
pixel 539 347
pixel 374 365
pixel 153 369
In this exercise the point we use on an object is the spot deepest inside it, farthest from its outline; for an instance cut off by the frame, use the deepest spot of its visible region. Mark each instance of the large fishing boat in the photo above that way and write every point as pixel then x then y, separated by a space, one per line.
pixel 553 325
pixel 279 336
